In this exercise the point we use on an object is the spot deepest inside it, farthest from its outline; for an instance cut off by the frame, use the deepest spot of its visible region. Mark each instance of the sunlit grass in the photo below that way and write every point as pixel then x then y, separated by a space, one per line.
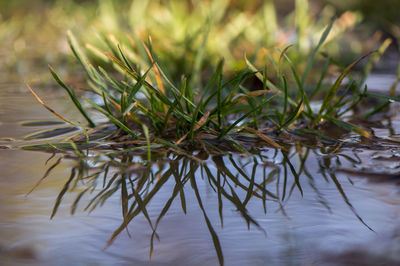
pixel 139 97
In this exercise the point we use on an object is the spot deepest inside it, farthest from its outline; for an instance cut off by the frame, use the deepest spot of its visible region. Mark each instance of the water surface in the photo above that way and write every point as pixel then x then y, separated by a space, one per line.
pixel 335 212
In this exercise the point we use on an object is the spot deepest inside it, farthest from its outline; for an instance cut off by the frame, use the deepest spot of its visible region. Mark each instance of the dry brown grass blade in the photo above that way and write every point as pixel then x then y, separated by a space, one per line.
pixel 47 107
pixel 157 72
pixel 118 107
pixel 264 138
pixel 283 53
pixel 198 125
pixel 202 121
pixel 181 139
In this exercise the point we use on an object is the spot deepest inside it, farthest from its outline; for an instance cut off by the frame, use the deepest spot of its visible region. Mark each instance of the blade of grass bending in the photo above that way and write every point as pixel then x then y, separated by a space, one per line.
pixel 373 59
pixel 354 103
pixel 315 51
pixel 297 112
pixel 314 132
pixel 73 97
pixel 376 110
pixel 259 75
pixel 107 106
pixel 114 83
pixel 258 108
pixel 195 126
pixel 264 137
pixel 138 85
pixel 112 118
pixel 124 58
pixel 382 96
pixel 47 107
pixel 284 51
pixel 349 126
pixel 237 145
pixel 332 91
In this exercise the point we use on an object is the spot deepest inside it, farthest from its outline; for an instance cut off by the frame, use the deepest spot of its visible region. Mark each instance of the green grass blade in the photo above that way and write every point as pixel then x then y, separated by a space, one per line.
pixel 258 108
pixel 112 118
pixel 73 97
pixel 297 112
pixel 334 88
pixel 315 51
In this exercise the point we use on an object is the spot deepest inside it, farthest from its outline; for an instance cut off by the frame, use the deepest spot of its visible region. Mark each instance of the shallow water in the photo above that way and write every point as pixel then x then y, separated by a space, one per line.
pixel 321 218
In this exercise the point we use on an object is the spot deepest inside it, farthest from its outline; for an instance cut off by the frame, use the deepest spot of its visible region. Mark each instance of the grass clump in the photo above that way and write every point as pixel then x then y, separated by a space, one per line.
pixel 140 98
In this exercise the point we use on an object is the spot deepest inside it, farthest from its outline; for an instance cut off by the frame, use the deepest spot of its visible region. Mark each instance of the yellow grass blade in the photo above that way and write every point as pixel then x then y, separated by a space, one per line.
pixel 264 138
pixel 47 107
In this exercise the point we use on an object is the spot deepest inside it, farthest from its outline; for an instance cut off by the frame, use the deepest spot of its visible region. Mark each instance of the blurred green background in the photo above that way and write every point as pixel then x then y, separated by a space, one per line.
pixel 261 29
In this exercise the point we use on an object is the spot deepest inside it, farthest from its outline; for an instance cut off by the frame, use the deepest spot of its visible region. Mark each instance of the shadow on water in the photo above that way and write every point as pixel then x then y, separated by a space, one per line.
pixel 267 176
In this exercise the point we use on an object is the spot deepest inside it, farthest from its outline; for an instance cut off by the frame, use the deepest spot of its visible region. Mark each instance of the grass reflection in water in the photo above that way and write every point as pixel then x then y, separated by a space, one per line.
pixel 267 175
